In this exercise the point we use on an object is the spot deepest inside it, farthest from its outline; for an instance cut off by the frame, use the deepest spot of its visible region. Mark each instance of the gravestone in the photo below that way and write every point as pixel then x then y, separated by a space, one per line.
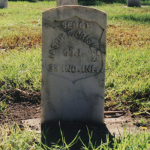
pixel 73 73
pixel 3 3
pixel 134 3
pixel 67 2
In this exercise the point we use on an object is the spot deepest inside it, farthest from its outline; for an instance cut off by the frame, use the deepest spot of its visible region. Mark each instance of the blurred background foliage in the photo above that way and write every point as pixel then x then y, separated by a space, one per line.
pixel 94 2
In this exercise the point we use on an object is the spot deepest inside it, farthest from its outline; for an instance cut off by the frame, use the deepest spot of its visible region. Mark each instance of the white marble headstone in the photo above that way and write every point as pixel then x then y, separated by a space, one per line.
pixel 3 3
pixel 67 2
pixel 73 64
pixel 134 3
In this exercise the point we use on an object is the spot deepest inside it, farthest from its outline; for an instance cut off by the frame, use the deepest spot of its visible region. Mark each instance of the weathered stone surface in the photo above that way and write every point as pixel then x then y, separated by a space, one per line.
pixel 134 3
pixel 73 64
pixel 73 74
pixel 67 2
pixel 3 3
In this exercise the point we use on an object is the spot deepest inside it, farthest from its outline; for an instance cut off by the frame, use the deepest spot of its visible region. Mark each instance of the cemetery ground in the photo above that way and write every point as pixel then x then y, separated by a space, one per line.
pixel 127 86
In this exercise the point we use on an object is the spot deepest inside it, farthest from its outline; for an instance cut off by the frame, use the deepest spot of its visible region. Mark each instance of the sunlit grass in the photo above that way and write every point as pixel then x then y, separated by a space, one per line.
pixel 127 66
pixel 16 138
pixel 127 61
pixel 20 69
pixel 128 77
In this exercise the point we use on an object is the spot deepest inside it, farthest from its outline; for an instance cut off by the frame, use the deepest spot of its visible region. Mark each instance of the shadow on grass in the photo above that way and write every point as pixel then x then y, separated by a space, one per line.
pixel 75 135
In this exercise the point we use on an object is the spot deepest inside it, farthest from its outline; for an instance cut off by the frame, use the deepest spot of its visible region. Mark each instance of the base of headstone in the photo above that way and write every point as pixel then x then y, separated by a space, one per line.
pixel 51 133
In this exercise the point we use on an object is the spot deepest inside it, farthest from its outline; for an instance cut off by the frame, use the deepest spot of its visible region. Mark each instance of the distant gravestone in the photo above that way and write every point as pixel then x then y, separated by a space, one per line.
pixel 73 71
pixel 134 3
pixel 3 3
pixel 67 2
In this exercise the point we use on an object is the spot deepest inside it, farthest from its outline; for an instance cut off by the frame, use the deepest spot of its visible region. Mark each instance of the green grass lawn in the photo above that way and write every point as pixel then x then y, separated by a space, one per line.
pixel 128 56
pixel 127 85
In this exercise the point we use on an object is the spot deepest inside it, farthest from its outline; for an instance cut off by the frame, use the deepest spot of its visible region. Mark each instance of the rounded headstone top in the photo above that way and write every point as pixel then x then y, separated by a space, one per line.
pixel 66 12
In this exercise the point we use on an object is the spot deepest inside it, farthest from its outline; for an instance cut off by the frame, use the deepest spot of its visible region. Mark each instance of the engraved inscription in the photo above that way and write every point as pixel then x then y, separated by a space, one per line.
pixel 55 45
pixel 80 35
pixel 73 68
pixel 95 55
pixel 71 52
pixel 74 53
pixel 53 68
pixel 85 38
pixel 69 68
pixel 57 41
pixel 76 25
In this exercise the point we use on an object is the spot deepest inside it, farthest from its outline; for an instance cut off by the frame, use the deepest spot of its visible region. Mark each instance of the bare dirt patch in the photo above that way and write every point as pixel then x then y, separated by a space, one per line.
pixel 19 105
pixel 24 108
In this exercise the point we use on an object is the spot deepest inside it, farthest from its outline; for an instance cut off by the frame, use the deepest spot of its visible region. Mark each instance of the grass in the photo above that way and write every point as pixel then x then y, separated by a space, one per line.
pixel 21 69
pixel 127 77
pixel 3 106
pixel 142 122
pixel 127 64
pixel 145 2
pixel 16 138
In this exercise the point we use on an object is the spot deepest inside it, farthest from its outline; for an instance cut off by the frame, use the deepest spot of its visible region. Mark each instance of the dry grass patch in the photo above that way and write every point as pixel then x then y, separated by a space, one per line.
pixel 121 35
pixel 117 36
pixel 24 41
pixel 21 37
